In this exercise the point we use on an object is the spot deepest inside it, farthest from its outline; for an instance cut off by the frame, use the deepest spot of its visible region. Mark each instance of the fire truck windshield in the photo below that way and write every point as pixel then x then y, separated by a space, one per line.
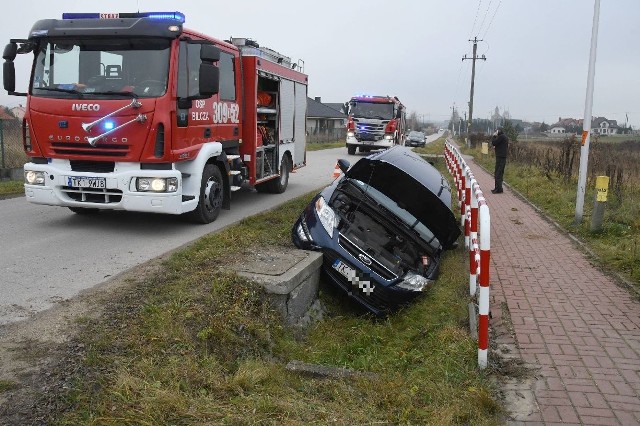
pixel 381 111
pixel 101 68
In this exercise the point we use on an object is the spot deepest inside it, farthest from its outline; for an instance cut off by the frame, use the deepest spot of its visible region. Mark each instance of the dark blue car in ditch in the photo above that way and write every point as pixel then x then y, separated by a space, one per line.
pixel 382 227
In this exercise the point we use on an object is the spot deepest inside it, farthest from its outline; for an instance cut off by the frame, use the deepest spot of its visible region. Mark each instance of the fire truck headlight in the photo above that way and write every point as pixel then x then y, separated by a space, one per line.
pixel 34 178
pixel 350 134
pixel 148 184
pixel 388 137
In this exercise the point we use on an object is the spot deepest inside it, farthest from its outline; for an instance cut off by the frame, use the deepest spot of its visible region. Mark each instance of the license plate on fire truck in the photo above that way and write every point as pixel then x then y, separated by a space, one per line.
pixel 86 182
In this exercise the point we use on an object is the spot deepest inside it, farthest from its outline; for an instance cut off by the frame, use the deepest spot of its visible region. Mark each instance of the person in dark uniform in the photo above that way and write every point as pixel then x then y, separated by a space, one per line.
pixel 499 142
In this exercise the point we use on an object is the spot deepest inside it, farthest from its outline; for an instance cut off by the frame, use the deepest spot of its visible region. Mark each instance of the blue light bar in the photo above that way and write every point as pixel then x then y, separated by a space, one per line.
pixel 169 16
pixel 174 16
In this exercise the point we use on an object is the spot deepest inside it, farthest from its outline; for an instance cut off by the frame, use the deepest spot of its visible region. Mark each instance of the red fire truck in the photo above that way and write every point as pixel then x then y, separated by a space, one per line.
pixel 375 122
pixel 131 111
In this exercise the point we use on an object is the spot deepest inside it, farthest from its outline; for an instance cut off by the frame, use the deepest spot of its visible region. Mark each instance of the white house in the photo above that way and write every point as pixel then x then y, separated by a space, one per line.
pixel 18 112
pixel 602 126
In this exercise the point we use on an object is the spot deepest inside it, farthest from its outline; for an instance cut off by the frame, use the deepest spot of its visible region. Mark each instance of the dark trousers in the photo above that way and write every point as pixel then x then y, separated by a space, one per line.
pixel 499 172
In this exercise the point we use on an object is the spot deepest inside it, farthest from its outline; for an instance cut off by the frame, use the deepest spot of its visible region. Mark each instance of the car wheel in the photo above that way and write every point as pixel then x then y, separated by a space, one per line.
pixel 351 149
pixel 211 196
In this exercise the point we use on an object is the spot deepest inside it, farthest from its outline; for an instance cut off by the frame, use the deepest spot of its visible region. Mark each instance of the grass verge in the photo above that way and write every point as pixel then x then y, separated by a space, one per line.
pixel 196 344
pixel 617 244
pixel 317 146
pixel 11 187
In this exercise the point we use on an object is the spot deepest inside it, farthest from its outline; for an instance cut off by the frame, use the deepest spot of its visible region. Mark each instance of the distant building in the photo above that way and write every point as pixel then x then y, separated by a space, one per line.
pixel 324 123
pixel 4 115
pixel 18 112
pixel 599 126
pixel 337 106
pixel 602 126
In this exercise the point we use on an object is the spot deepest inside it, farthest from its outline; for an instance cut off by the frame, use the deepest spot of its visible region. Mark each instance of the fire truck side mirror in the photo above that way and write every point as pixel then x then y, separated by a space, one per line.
pixel 9 76
pixel 10 52
pixel 209 53
pixel 208 80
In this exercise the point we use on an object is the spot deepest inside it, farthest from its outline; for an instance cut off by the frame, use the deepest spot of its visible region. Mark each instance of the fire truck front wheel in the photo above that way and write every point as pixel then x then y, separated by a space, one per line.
pixel 211 196
pixel 351 149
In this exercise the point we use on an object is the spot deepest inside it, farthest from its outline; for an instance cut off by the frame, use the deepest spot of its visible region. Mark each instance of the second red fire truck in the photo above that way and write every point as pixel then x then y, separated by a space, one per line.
pixel 375 122
pixel 131 111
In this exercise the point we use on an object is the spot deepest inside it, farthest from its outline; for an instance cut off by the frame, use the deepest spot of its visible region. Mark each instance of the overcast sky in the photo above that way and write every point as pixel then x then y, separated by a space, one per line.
pixel 537 52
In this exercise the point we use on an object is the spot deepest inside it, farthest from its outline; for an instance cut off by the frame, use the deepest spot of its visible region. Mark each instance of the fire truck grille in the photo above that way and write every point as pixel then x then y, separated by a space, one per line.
pixel 93 195
pixel 370 131
pixel 102 150
pixel 92 166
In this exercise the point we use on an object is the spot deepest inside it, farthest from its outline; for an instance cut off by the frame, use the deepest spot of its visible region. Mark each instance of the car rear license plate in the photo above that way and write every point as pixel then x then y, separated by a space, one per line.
pixel 87 182
pixel 344 269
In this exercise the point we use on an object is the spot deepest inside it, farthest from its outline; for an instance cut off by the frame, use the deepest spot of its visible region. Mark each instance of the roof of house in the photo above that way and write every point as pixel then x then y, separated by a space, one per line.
pixel 597 122
pixel 336 105
pixel 4 115
pixel 567 122
pixel 317 109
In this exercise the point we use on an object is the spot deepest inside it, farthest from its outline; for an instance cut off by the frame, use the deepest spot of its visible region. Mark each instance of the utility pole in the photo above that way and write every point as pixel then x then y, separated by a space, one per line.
pixel 453 116
pixel 473 77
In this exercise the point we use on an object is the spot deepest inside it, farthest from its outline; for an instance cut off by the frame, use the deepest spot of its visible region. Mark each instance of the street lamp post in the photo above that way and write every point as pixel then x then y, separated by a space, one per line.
pixel 586 126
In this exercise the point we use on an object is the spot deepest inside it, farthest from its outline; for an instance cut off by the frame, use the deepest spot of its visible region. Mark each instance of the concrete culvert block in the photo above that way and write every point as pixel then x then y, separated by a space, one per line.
pixel 289 276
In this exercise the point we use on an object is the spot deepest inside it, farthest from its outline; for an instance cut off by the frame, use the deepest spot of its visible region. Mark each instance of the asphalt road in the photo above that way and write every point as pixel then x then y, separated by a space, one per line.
pixel 50 254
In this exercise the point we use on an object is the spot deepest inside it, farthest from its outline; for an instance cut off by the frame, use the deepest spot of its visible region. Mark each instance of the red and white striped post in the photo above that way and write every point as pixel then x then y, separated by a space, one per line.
pixel 477 226
pixel 483 308
pixel 474 249
pixel 467 205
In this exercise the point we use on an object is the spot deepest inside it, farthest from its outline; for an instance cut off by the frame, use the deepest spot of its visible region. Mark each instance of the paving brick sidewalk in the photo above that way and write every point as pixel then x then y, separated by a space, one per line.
pixel 577 328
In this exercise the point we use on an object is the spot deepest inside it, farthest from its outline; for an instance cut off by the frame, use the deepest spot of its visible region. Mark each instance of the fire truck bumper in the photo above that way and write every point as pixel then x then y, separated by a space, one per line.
pixel 126 188
pixel 372 144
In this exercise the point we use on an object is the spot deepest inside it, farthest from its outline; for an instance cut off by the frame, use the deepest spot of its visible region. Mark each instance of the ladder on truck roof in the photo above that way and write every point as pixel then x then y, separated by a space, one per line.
pixel 250 47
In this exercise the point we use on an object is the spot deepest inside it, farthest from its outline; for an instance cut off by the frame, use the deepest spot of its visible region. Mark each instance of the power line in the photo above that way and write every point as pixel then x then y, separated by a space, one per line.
pixel 484 17
pixel 475 19
pixel 494 15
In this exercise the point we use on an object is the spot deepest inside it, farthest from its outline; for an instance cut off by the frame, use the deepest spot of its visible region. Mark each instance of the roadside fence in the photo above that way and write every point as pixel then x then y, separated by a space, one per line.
pixel 476 221
pixel 12 154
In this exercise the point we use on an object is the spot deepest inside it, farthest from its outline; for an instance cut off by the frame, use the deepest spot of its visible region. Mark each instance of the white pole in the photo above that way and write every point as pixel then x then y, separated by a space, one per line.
pixel 586 126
